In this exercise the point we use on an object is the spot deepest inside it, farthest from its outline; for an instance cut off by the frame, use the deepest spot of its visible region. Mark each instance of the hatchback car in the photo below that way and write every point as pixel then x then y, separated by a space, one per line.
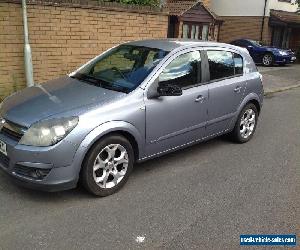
pixel 134 102
pixel 266 55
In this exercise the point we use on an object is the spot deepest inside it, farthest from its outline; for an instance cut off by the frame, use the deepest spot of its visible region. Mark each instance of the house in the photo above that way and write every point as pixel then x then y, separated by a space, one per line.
pixel 285 29
pixel 275 22
pixel 192 19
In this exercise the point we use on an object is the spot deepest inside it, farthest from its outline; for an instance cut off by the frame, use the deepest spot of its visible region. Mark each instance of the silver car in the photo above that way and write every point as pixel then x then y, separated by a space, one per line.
pixel 134 102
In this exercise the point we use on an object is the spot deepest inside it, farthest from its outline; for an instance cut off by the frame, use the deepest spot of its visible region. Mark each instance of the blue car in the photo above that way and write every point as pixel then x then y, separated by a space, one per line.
pixel 266 55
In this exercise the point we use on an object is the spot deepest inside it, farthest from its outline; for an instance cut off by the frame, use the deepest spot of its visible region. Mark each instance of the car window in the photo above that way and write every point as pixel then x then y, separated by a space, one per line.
pixel 238 64
pixel 241 43
pixel 221 64
pixel 183 70
pixel 237 43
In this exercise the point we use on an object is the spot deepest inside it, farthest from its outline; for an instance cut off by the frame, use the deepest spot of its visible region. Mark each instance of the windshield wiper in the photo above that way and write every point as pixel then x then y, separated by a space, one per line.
pixel 100 82
pixel 88 78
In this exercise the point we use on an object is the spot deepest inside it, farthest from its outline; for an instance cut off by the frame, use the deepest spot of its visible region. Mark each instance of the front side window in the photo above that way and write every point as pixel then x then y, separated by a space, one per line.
pixel 183 70
pixel 221 64
pixel 123 68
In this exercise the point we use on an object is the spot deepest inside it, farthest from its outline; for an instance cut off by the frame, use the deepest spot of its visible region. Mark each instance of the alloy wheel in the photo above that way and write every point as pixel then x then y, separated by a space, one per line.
pixel 247 124
pixel 267 60
pixel 110 166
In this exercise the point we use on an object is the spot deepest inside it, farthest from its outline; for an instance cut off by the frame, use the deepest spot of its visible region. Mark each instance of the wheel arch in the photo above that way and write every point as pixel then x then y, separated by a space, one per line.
pixel 124 129
pixel 256 103
pixel 251 98
pixel 114 127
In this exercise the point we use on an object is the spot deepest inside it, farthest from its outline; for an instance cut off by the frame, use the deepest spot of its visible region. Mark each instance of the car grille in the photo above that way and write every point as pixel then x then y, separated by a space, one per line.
pixel 13 131
pixel 4 160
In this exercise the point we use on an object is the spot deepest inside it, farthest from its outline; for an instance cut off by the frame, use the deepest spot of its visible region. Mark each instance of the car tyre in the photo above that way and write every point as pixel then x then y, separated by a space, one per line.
pixel 245 125
pixel 268 60
pixel 107 165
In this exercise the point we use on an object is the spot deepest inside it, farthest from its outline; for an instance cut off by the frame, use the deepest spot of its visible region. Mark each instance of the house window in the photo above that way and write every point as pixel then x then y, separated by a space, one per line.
pixel 205 32
pixel 185 31
pixel 198 31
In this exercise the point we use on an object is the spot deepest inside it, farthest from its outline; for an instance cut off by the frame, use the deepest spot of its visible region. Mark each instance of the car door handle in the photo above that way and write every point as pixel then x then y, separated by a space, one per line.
pixel 200 98
pixel 237 89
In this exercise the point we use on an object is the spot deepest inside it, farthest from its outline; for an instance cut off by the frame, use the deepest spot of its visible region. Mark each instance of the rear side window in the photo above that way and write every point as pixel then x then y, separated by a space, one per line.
pixel 238 64
pixel 221 64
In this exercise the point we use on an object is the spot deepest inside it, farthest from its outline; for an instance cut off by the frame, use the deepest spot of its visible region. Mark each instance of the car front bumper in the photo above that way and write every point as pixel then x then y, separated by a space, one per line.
pixel 285 59
pixel 50 169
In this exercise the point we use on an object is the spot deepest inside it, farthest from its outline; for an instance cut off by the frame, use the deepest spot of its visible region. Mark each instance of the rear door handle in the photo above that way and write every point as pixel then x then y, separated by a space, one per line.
pixel 237 89
pixel 200 98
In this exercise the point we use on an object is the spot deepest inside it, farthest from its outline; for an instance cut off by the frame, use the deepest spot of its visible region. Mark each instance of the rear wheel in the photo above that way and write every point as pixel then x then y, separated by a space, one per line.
pixel 246 124
pixel 268 59
pixel 108 165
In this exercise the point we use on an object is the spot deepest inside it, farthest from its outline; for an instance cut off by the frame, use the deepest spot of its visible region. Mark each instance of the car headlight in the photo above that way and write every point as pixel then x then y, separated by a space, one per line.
pixel 283 53
pixel 48 132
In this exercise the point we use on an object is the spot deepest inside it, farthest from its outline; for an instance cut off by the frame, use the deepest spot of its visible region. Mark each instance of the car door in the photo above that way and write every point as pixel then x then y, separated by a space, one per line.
pixel 226 86
pixel 172 121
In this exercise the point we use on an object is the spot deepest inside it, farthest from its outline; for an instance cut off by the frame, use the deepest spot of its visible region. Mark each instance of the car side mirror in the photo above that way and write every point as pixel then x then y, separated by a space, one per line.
pixel 169 90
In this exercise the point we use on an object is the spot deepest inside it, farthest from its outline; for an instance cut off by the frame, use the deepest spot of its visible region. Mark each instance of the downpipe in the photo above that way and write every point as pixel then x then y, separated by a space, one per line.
pixel 263 21
pixel 27 49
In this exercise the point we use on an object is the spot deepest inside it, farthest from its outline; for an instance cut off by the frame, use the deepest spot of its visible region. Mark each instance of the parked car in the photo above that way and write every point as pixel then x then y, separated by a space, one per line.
pixel 267 55
pixel 136 101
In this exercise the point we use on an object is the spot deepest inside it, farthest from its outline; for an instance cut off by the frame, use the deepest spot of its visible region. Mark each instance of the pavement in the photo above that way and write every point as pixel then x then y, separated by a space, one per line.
pixel 202 197
pixel 280 78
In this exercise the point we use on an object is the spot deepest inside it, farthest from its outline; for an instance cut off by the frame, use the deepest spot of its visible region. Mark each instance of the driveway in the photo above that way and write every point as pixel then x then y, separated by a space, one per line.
pixel 279 78
pixel 202 197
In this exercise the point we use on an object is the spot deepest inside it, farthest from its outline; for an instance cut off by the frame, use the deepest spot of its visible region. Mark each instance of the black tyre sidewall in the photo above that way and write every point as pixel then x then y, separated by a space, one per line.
pixel 87 168
pixel 236 132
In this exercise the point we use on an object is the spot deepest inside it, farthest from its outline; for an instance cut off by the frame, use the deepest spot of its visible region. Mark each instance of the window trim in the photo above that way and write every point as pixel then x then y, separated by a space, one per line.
pixel 207 69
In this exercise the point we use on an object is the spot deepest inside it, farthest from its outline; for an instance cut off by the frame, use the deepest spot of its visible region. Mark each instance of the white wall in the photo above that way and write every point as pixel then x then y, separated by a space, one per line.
pixel 248 7
pixel 276 5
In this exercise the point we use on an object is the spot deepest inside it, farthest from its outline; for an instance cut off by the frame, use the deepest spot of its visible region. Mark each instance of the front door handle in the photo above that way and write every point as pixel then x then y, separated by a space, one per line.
pixel 200 98
pixel 237 89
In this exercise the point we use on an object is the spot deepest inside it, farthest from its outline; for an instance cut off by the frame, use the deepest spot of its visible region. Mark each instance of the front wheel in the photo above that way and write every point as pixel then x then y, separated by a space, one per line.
pixel 107 165
pixel 268 59
pixel 246 124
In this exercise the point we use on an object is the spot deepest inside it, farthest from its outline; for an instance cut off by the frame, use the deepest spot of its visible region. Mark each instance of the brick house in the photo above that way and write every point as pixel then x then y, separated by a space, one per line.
pixel 192 19
pixel 275 22
pixel 285 29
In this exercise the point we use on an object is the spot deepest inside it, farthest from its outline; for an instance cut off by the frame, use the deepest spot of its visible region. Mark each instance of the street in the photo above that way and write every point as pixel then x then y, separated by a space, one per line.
pixel 202 197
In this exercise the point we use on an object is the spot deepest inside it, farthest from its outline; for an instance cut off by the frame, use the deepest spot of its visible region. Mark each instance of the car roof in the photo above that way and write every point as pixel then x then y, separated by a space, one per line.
pixel 172 44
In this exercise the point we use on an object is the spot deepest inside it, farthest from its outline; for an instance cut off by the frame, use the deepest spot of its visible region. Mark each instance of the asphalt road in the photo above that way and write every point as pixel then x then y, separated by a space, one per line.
pixel 202 197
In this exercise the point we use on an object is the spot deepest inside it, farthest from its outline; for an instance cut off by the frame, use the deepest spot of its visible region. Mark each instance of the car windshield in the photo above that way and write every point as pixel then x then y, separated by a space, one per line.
pixel 123 68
